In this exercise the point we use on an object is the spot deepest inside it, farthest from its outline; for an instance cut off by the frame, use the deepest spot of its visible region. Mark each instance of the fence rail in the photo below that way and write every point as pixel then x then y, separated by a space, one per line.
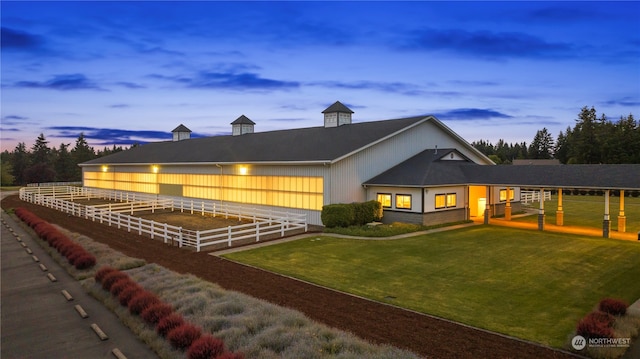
pixel 534 196
pixel 68 199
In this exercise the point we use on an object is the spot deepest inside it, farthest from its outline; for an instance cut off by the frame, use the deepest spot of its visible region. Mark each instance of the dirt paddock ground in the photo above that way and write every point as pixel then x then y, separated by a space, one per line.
pixel 376 322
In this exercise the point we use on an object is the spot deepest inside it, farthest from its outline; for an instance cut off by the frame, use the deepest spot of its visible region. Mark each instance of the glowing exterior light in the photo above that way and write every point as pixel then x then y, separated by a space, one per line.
pixel 154 169
pixel 243 170
pixel 105 168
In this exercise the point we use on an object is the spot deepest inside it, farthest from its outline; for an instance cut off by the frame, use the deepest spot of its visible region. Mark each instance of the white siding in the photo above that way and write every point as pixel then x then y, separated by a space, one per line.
pixel 348 174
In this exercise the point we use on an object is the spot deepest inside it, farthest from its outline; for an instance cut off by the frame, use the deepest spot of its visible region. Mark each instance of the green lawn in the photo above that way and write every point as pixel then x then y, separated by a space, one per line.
pixel 529 284
pixel 588 211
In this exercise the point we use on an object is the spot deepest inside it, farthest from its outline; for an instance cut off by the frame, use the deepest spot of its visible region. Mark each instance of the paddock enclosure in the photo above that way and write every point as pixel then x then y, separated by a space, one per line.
pixel 187 222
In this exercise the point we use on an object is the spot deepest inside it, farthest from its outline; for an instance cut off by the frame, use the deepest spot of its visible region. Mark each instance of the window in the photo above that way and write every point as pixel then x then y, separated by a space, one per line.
pixel 446 200
pixel 385 199
pixel 503 195
pixel 403 201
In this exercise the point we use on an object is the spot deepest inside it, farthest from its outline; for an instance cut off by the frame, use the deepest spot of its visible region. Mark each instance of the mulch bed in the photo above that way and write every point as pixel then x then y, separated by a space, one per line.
pixel 379 323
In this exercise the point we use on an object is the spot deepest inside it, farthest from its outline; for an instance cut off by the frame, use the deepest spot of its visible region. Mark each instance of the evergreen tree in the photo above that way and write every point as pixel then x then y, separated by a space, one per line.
pixel 19 161
pixel 40 152
pixel 63 164
pixel 586 147
pixel 542 145
pixel 6 170
pixel 40 169
pixel 82 152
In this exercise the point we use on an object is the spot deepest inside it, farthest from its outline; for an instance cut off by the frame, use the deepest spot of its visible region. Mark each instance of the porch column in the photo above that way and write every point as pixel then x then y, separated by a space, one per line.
pixel 606 223
pixel 560 212
pixel 487 206
pixel 541 211
pixel 622 220
pixel 507 208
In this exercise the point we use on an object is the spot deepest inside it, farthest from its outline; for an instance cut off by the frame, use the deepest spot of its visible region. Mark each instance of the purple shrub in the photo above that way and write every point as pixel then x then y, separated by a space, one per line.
pixel 613 306
pixel 156 312
pixel 206 347
pixel 183 336
pixel 168 323
pixel 142 301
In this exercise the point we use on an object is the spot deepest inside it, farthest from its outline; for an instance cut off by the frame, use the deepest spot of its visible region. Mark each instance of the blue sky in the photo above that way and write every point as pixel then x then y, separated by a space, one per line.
pixel 124 72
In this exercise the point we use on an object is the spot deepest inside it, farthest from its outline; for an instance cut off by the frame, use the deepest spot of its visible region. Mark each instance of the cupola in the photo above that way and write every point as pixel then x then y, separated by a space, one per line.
pixel 181 133
pixel 337 115
pixel 242 125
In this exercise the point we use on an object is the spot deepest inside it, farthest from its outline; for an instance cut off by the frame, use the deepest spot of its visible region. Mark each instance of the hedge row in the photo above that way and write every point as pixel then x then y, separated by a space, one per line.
pixel 75 253
pixel 351 214
pixel 169 324
pixel 599 323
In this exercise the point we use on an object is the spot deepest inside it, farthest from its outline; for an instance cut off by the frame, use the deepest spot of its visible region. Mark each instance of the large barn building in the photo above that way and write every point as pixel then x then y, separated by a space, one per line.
pixel 300 170
pixel 418 168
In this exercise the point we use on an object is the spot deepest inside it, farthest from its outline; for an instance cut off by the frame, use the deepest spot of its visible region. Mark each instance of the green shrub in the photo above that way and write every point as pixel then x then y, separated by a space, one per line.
pixel 352 214
pixel 337 215
pixel 367 212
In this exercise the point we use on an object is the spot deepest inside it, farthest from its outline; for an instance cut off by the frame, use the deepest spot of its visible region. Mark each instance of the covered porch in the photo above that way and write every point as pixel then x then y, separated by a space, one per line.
pixel 608 181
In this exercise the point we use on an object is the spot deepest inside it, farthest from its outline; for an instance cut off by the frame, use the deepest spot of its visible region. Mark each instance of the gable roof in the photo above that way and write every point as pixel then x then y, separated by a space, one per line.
pixel 181 128
pixel 314 144
pixel 337 107
pixel 425 169
pixel 243 120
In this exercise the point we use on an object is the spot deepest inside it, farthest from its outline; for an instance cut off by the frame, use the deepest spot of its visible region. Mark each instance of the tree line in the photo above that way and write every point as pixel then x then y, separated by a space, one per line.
pixel 591 140
pixel 41 164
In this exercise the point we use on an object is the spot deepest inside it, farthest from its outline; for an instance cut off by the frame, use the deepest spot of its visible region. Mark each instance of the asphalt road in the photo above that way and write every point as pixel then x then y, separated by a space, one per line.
pixel 38 321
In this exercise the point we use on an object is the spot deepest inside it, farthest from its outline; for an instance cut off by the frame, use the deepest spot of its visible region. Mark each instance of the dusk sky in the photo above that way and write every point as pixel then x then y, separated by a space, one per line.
pixel 125 72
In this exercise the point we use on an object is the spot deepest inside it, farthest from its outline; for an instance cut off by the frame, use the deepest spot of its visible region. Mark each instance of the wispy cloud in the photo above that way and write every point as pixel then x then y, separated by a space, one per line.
pixel 390 87
pixel 13 118
pixel 130 85
pixel 467 114
pixel 488 44
pixel 627 101
pixel 67 82
pixel 119 105
pixel 111 136
pixel 13 39
pixel 229 81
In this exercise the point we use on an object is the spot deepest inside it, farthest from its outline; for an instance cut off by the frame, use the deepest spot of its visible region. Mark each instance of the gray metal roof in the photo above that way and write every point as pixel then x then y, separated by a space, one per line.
pixel 314 144
pixel 181 128
pixel 243 120
pixel 427 169
pixel 337 107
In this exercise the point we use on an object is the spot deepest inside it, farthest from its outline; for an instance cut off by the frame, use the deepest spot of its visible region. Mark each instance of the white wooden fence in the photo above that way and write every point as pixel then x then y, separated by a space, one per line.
pixel 265 222
pixel 534 196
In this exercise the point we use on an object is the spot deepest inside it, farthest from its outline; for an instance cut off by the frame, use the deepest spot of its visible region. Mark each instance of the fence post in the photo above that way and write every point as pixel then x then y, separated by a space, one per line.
pixel 257 231
pixel 180 237
pixel 165 233
pixel 229 235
